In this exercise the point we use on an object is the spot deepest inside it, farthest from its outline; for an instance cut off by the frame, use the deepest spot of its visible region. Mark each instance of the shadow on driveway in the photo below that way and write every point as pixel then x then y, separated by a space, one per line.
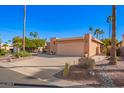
pixel 54 56
pixel 46 75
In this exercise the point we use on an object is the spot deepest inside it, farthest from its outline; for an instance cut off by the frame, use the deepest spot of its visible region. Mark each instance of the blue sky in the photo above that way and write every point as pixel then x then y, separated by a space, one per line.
pixel 57 21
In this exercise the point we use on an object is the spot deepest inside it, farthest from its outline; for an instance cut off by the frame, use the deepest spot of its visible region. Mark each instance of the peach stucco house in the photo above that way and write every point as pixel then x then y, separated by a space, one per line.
pixel 77 46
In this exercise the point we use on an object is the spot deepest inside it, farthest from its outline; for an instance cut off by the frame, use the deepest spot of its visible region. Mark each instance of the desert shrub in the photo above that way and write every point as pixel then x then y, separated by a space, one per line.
pixel 3 52
pixel 66 70
pixel 16 55
pixel 86 63
pixel 22 54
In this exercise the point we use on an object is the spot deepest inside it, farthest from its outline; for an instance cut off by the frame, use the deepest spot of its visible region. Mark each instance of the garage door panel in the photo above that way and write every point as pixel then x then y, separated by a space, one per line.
pixel 70 49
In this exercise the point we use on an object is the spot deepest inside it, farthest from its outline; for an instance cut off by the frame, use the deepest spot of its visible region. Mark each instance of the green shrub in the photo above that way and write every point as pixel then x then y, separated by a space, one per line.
pixel 16 55
pixel 86 63
pixel 107 50
pixel 66 70
pixel 3 52
pixel 22 54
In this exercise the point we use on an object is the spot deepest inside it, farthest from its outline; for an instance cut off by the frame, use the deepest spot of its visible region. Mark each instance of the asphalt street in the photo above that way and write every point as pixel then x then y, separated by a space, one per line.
pixel 12 79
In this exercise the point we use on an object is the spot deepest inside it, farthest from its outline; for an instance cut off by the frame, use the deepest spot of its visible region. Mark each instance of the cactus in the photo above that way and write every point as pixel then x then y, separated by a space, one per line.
pixel 66 70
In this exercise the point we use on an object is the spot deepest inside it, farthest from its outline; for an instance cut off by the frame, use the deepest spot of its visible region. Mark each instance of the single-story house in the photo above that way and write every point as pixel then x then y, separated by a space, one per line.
pixel 8 47
pixel 76 46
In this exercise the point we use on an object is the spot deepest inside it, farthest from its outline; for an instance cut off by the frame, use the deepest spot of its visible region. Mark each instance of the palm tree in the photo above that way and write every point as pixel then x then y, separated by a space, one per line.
pixel 9 41
pixel 113 44
pixel 35 34
pixel 102 33
pixel 97 32
pixel 24 28
pixel 109 21
pixel 91 30
pixel 31 34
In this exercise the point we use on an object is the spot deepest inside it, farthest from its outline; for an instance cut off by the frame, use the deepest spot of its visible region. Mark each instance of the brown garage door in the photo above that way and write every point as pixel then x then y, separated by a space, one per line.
pixel 70 49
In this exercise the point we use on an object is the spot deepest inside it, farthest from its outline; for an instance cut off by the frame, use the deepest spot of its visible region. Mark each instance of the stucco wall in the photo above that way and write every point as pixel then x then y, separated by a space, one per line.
pixel 93 48
pixel 53 45
pixel 7 48
pixel 75 48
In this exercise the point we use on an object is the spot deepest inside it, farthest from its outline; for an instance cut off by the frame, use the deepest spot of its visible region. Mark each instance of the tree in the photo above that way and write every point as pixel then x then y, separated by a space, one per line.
pixel 17 41
pixel 31 34
pixel 39 42
pixel 91 31
pixel 34 35
pixel 24 28
pixel 102 33
pixel 9 41
pixel 107 41
pixel 109 21
pixel 113 60
pixel 30 43
pixel 97 33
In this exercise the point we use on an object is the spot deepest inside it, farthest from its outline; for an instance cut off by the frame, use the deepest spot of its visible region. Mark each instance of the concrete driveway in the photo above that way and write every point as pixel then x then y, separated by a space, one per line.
pixel 43 67
pixel 42 63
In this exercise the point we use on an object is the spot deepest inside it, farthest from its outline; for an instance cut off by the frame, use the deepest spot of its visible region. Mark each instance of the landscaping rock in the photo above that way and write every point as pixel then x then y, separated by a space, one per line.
pixel 107 81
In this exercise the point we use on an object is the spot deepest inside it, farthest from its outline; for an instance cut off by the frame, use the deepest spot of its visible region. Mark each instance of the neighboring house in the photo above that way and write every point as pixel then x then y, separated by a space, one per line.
pixel 47 47
pixel 9 47
pixel 121 45
pixel 78 46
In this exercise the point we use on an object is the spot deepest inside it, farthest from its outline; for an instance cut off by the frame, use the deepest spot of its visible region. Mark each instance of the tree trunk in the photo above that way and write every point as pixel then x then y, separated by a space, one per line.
pixel 109 30
pixel 113 44
pixel 97 36
pixel 24 28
